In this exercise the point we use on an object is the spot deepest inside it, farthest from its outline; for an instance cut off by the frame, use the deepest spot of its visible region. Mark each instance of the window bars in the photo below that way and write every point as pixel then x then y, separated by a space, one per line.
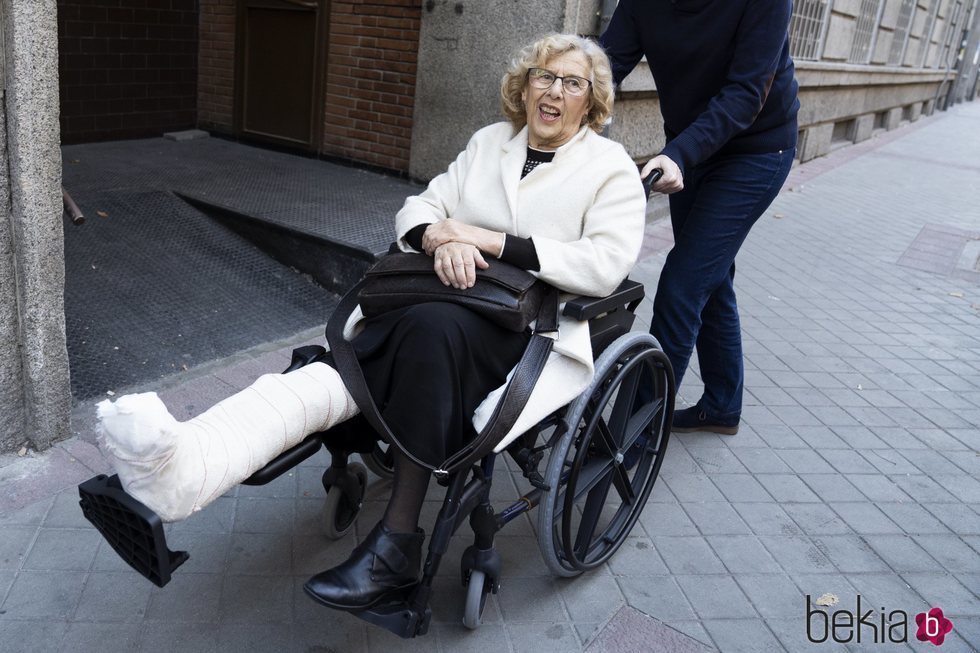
pixel 925 42
pixel 808 29
pixel 865 30
pixel 949 35
pixel 900 37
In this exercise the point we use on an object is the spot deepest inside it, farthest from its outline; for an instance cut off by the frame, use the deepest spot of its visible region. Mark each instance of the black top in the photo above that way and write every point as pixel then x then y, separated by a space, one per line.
pixel 722 68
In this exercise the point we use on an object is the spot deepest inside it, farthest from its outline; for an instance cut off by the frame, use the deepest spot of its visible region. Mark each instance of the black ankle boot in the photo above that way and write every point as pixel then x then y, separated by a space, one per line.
pixel 383 563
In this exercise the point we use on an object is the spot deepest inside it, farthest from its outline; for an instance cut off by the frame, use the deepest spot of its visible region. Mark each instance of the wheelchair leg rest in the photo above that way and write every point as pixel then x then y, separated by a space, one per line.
pixel 400 617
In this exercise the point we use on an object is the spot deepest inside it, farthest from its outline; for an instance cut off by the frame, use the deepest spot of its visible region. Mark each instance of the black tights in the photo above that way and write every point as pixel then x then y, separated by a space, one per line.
pixel 407 495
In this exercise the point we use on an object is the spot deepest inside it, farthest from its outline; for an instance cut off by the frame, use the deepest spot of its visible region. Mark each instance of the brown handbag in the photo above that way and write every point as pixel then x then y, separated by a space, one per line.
pixel 504 293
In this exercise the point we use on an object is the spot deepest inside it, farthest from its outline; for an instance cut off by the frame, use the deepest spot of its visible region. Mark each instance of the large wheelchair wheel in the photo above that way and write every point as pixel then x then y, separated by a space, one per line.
pixel 601 470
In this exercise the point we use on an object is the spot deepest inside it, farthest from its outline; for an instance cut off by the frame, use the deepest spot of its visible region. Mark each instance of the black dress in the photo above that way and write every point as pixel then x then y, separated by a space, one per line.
pixel 429 366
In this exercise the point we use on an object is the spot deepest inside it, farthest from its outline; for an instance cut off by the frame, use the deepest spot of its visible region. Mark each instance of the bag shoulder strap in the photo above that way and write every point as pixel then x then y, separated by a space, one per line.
pixel 504 416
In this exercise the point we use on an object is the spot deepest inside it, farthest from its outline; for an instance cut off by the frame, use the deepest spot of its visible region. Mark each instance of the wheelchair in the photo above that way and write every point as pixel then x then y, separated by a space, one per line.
pixel 590 467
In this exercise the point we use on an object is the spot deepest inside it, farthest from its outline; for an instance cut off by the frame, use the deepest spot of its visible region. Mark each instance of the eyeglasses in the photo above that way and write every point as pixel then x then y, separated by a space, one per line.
pixel 573 85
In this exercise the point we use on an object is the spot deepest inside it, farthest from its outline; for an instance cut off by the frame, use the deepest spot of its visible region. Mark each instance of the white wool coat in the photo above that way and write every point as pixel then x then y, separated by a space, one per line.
pixel 585 213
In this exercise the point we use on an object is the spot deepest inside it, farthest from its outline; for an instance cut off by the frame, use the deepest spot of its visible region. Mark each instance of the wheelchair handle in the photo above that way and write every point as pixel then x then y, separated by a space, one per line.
pixel 651 179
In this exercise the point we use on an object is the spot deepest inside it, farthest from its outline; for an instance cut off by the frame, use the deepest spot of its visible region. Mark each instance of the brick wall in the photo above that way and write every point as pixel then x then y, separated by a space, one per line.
pixel 371 63
pixel 126 69
pixel 216 65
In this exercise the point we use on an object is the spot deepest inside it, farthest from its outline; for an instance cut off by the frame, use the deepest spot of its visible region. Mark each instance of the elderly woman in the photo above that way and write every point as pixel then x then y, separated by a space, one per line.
pixel 543 191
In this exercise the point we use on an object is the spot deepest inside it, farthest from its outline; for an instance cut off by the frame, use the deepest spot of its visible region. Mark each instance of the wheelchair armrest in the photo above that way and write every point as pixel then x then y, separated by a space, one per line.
pixel 583 308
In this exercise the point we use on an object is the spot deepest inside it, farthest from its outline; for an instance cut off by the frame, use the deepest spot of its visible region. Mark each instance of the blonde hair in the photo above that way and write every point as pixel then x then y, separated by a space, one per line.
pixel 537 55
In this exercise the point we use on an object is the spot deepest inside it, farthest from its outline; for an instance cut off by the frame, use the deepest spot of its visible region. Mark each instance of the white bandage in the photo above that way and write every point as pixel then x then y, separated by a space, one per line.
pixel 176 468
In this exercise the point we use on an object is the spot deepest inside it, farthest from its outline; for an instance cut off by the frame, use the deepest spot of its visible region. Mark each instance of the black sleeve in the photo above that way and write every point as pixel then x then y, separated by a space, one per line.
pixel 521 252
pixel 414 237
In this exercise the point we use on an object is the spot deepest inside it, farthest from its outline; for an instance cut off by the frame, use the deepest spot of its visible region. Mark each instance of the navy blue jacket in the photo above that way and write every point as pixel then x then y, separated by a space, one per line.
pixel 722 69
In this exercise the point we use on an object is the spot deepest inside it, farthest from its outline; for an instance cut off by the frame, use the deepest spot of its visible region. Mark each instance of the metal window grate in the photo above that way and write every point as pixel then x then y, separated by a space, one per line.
pixel 952 27
pixel 865 29
pixel 926 42
pixel 807 29
pixel 900 37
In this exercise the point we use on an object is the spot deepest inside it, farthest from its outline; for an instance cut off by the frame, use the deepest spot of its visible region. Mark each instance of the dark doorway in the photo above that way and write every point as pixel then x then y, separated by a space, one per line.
pixel 281 48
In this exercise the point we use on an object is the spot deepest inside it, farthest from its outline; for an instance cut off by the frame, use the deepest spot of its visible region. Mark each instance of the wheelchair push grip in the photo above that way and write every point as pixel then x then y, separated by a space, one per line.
pixel 651 179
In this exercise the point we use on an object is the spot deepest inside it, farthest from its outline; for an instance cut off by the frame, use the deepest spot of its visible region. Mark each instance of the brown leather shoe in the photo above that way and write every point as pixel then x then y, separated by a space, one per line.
pixel 383 564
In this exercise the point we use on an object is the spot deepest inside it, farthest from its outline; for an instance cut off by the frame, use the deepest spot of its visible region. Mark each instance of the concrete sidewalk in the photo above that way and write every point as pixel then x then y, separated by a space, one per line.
pixel 855 472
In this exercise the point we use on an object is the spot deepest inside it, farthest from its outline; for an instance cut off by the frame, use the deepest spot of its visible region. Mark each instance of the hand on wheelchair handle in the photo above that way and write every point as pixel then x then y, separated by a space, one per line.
pixel 650 180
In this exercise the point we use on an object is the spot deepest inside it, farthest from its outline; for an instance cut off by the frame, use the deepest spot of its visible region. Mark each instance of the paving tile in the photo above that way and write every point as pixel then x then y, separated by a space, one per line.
pixel 455 637
pixel 929 462
pixel 772 595
pixel 767 519
pixel 265 515
pixel 657 596
pixel 787 487
pixel 820 437
pixel 805 461
pixel 716 597
pixel 716 460
pixel 951 552
pixel 119 597
pixel 543 638
pixel 43 595
pixel 14 545
pixel 963 487
pixel 715 518
pixel 848 461
pixel 530 599
pixel 781 437
pixel 186 598
pixel 913 518
pixel 164 638
pixel 637 557
pixel 877 488
pixel 740 487
pixel 688 555
pixel 62 548
pixel 743 554
pixel 666 519
pixel 737 635
pixel 923 489
pixel 81 636
pixel 256 599
pixel 693 487
pixel 30 515
pixel 889 462
pixel 65 512
pixel 865 519
pixel 832 487
pixel 260 553
pixel 792 634
pixel 591 597
pixel 762 461
pixel 850 554
pixel 816 519
pixel 945 591
pixel 796 555
pixel 902 553
pixel 37 636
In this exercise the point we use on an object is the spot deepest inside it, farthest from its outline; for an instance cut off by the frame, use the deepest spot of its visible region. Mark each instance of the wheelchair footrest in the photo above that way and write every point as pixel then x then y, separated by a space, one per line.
pixel 134 531
pixel 397 617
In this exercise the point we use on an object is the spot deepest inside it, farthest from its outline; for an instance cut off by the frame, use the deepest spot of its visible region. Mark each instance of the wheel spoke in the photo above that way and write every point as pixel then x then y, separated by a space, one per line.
pixel 625 399
pixel 623 485
pixel 590 517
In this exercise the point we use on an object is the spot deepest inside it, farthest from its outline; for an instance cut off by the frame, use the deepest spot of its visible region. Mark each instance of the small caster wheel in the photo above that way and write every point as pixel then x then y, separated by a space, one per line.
pixel 381 460
pixel 476 599
pixel 344 501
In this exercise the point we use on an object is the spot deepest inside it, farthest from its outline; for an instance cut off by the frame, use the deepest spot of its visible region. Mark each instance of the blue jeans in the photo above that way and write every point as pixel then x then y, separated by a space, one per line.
pixel 695 302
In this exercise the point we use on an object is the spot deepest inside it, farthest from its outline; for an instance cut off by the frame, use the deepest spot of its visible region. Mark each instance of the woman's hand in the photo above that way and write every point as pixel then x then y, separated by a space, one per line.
pixel 456 263
pixel 454 231
pixel 672 179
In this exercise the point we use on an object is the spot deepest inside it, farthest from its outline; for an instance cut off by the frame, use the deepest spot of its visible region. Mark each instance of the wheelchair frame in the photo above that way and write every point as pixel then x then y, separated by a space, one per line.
pixel 603 441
